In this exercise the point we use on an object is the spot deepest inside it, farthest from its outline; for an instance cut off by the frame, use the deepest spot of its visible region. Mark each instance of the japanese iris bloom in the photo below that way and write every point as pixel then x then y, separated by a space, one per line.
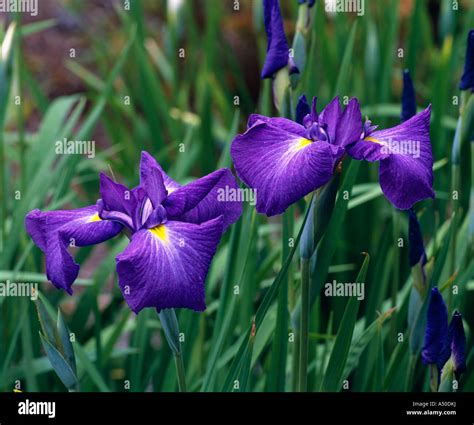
pixel 174 231
pixel 286 160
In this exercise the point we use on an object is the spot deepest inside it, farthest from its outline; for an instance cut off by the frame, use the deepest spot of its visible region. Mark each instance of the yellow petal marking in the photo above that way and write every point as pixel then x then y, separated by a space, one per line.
pixel 160 232
pixel 94 218
pixel 373 140
pixel 302 143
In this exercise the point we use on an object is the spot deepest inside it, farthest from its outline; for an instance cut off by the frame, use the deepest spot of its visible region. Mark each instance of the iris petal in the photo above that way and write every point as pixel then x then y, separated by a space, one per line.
pixel 151 179
pixel 350 124
pixel 330 117
pixel 406 167
pixel 148 163
pixel 166 267
pixel 280 167
pixel 204 199
pixel 283 123
pixel 115 196
pixel 55 231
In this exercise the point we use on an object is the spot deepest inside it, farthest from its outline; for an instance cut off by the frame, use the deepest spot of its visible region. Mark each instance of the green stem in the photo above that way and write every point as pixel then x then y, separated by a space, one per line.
pixel 296 361
pixel 434 378
pixel 395 273
pixel 410 373
pixel 455 184
pixel 178 362
pixel 304 325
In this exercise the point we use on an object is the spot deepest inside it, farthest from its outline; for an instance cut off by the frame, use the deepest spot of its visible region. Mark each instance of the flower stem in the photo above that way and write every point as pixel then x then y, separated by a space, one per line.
pixel 304 325
pixel 395 272
pixel 434 378
pixel 178 361
pixel 455 183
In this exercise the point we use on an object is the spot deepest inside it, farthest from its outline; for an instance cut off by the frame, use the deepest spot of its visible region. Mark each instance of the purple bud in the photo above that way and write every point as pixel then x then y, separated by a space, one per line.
pixel 467 79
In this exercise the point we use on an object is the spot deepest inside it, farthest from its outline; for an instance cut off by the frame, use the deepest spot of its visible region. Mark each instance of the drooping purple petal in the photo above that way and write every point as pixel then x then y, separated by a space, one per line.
pixel 349 127
pixel 458 343
pixel 282 166
pixel 408 97
pixel 205 199
pixel 55 231
pixel 406 175
pixel 166 267
pixel 436 334
pixel 467 79
pixel 277 49
pixel 416 247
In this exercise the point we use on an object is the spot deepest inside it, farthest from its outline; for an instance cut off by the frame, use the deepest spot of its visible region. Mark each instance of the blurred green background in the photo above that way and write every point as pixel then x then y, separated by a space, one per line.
pixel 179 79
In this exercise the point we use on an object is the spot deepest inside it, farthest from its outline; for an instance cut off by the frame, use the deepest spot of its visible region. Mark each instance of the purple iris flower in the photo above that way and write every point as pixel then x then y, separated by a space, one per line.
pixel 436 349
pixel 467 79
pixel 285 160
pixel 174 231
pixel 278 50
pixel 458 343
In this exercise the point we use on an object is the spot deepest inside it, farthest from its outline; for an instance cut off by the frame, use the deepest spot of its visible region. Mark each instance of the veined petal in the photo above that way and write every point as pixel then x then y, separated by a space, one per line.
pixel 166 267
pixel 203 200
pixel 148 163
pixel 116 196
pixel 350 126
pixel 406 168
pixel 282 166
pixel 152 180
pixel 368 149
pixel 277 50
pixel 279 123
pixel 55 231
pixel 330 117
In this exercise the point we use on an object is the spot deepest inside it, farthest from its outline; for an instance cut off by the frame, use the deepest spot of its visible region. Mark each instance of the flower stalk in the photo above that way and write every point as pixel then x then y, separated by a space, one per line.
pixel 304 325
